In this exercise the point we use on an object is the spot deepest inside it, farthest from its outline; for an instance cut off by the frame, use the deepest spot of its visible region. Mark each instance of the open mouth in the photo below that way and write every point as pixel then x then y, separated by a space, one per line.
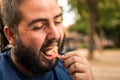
pixel 50 52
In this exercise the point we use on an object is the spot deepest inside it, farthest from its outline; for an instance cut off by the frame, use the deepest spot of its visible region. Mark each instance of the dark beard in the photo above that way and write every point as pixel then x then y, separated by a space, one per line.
pixel 27 58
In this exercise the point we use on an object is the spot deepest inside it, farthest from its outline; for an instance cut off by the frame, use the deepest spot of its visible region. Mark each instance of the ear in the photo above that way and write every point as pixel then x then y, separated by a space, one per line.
pixel 10 35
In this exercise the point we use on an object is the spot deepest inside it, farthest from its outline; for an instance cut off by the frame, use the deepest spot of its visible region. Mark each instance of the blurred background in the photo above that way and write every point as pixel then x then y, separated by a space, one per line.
pixel 93 28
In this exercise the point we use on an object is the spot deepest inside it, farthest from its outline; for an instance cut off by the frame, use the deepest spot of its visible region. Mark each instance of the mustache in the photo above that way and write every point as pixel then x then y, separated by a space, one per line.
pixel 51 42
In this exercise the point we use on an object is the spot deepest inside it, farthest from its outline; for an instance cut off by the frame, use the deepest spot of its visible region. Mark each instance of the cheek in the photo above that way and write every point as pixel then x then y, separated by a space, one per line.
pixel 33 40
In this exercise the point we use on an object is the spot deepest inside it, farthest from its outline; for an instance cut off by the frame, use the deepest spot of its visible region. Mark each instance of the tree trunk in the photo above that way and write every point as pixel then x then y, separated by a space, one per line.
pixel 93 9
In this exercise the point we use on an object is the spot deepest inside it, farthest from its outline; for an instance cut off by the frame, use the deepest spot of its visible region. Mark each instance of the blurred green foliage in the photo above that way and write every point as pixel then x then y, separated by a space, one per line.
pixel 113 33
pixel 108 17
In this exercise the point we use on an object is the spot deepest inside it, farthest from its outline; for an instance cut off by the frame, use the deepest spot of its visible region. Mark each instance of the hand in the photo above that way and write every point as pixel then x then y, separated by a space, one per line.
pixel 78 66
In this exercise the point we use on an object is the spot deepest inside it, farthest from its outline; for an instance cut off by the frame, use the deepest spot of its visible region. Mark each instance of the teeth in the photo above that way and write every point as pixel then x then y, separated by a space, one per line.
pixel 49 53
pixel 51 50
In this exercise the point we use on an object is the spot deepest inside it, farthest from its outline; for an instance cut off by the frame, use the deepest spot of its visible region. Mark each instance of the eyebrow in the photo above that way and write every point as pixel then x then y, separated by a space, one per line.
pixel 42 19
pixel 58 15
pixel 37 20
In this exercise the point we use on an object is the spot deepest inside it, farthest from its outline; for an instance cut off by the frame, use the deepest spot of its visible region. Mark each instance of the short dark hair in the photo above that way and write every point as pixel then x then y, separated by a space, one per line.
pixel 10 15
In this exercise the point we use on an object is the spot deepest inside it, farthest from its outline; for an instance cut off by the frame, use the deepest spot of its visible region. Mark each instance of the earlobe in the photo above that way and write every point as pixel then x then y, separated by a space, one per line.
pixel 10 35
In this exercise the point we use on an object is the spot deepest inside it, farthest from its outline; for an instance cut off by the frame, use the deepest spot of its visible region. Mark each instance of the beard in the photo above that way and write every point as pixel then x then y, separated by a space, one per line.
pixel 27 57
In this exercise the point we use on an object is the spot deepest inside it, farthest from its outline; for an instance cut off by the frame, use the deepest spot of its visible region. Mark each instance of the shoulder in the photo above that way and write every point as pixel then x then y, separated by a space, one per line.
pixel 4 57
pixel 6 71
pixel 2 64
pixel 3 54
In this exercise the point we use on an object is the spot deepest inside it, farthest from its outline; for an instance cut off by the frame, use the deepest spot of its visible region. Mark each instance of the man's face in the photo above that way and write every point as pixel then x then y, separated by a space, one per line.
pixel 39 29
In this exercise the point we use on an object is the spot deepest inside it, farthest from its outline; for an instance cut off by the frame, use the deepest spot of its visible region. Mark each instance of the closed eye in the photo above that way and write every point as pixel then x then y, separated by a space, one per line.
pixel 37 28
pixel 57 22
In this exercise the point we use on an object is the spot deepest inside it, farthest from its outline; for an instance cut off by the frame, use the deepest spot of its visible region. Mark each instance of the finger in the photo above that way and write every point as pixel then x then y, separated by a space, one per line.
pixel 71 60
pixel 76 67
pixel 74 59
pixel 69 54
pixel 81 76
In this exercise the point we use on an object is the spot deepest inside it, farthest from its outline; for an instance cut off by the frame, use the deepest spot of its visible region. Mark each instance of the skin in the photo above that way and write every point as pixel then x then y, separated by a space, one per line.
pixel 41 23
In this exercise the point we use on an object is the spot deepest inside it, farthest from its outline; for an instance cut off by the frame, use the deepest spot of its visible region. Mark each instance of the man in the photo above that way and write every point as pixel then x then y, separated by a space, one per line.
pixel 33 28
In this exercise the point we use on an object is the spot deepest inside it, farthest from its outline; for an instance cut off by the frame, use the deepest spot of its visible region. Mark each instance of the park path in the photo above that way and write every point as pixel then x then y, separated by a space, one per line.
pixel 106 65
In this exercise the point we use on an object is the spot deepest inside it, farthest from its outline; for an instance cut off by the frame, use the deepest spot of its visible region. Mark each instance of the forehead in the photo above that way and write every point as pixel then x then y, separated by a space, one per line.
pixel 40 7
pixel 39 2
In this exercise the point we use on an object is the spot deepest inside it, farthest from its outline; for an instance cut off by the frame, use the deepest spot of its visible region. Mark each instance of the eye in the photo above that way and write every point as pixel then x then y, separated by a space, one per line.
pixel 37 27
pixel 58 21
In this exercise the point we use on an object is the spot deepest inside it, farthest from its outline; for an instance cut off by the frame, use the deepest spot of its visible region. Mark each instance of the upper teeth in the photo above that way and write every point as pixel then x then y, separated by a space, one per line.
pixel 52 50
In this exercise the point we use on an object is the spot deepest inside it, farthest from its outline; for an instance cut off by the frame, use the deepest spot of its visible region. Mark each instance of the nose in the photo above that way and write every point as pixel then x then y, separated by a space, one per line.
pixel 53 32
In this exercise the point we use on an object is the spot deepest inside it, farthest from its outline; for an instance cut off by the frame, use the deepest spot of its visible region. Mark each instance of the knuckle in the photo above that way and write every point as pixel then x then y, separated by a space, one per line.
pixel 74 58
pixel 75 65
pixel 75 76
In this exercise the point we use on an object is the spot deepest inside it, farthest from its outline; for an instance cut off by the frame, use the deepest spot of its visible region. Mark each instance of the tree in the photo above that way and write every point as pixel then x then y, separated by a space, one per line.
pixel 93 15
